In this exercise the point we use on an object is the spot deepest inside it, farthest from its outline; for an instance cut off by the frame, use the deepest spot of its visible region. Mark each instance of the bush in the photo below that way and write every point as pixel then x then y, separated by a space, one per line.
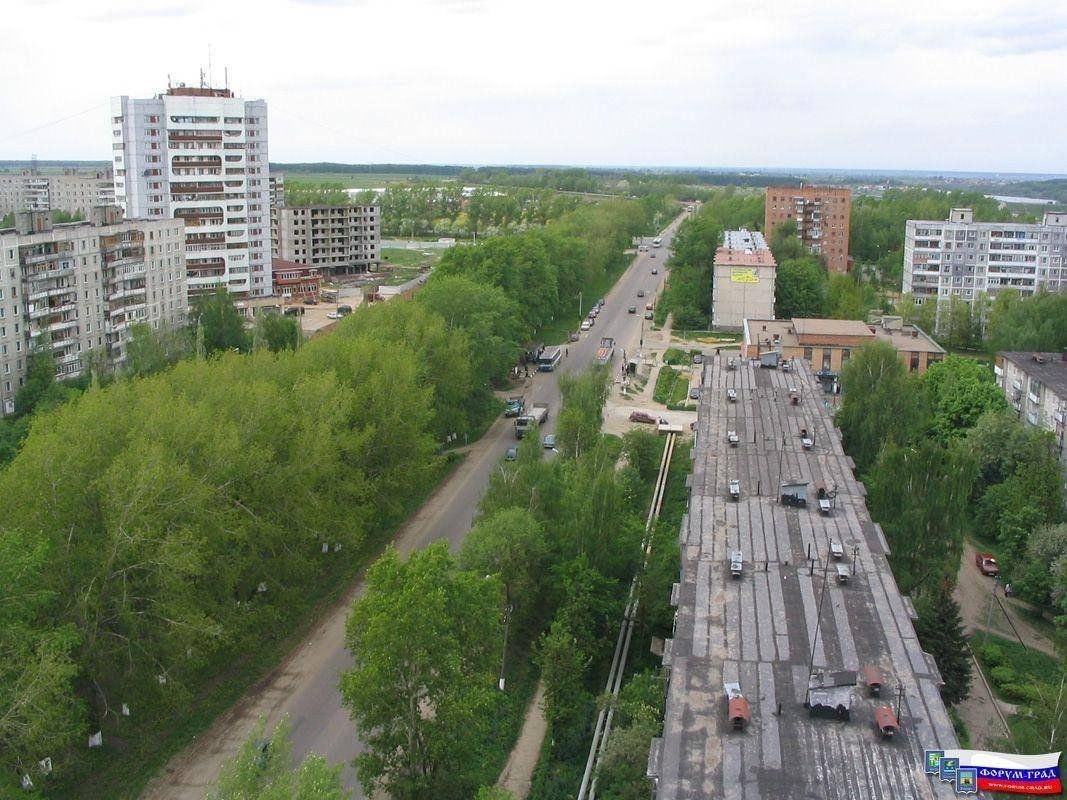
pixel 1019 692
pixel 1002 676
pixel 992 655
pixel 674 355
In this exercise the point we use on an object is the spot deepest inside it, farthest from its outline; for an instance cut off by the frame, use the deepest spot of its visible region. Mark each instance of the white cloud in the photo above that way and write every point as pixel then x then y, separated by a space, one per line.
pixel 957 84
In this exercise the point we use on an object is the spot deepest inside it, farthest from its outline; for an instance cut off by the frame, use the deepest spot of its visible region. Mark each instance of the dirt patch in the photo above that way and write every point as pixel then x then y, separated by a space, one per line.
pixel 984 607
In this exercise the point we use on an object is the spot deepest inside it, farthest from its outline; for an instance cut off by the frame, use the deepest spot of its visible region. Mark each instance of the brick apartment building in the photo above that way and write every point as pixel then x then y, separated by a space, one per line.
pixel 822 215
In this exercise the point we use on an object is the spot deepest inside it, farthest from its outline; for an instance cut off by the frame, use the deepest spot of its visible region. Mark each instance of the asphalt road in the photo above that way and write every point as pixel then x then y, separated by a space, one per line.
pixel 305 685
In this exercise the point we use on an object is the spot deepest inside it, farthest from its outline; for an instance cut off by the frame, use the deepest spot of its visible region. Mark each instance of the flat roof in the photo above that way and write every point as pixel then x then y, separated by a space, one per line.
pixel 744 248
pixel 801 332
pixel 759 630
pixel 1051 370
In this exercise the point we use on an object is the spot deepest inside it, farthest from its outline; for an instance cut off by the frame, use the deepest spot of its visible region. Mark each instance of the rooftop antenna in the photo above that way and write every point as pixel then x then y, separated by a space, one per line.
pixel 201 77
pixel 209 76
pixel 226 77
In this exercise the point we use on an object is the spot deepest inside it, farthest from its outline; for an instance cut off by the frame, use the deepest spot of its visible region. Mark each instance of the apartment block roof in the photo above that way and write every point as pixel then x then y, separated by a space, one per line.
pixel 744 248
pixel 1048 368
pixel 787 630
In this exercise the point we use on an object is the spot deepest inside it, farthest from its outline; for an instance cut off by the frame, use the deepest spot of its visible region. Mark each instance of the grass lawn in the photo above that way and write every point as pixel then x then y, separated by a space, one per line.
pixel 402 257
pixel 707 337
pixel 672 387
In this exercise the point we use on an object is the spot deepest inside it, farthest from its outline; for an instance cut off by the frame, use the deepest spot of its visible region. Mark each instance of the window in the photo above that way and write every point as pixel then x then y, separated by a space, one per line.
pixel 807 353
pixel 826 359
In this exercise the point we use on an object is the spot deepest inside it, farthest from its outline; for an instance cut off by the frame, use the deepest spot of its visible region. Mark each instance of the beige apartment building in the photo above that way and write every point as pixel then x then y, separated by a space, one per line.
pixel 1035 385
pixel 335 239
pixel 743 280
pixel 78 288
pixel 822 215
pixel 70 191
pixel 828 344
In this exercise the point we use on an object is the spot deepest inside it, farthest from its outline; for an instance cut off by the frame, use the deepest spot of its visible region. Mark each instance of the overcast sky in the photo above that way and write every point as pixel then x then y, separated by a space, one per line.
pixel 895 84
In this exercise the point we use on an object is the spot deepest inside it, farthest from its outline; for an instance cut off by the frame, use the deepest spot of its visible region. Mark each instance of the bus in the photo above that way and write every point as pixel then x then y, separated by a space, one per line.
pixel 548 360
pixel 657 242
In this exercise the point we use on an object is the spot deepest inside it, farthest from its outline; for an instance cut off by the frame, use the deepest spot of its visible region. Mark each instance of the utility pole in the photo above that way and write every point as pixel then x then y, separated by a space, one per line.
pixel 579 305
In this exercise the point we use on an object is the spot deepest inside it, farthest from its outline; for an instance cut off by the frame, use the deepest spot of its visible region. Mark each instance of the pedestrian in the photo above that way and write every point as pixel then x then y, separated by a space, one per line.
pixel 566 351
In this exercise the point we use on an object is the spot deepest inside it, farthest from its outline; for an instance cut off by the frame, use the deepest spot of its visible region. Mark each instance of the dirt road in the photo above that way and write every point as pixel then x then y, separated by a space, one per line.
pixel 981 611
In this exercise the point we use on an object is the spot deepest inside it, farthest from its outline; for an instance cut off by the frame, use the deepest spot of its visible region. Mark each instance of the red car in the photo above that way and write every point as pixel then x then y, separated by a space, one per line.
pixel 642 416
pixel 986 564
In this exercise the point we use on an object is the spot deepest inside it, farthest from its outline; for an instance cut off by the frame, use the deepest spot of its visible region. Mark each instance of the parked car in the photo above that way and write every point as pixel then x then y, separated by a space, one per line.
pixel 648 315
pixel 333 315
pixel 640 292
pixel 642 416
pixel 986 564
pixel 648 306
pixel 587 324
pixel 574 337
pixel 601 302
pixel 651 255
pixel 632 310
pixel 655 271
pixel 694 393
pixel 698 358
pixel 549 441
pixel 344 311
pixel 511 454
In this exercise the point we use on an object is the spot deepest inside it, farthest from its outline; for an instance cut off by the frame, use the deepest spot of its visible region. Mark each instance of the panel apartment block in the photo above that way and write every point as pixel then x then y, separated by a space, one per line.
pixel 336 239
pixel 761 605
pixel 959 257
pixel 70 191
pixel 200 155
pixel 822 215
pixel 78 288
pixel 743 280
pixel 1035 384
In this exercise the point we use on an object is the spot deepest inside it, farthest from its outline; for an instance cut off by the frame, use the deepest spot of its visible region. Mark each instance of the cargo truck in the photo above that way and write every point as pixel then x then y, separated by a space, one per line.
pixel 537 416
pixel 606 350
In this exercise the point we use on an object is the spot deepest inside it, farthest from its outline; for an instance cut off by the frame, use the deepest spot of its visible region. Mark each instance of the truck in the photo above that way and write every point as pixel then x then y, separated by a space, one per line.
pixel 514 406
pixel 606 350
pixel 537 416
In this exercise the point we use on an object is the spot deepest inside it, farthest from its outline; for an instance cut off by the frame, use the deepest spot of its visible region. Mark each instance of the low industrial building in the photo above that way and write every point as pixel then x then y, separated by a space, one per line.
pixel 1035 385
pixel 794 670
pixel 828 344
pixel 743 282
pixel 78 289
pixel 296 283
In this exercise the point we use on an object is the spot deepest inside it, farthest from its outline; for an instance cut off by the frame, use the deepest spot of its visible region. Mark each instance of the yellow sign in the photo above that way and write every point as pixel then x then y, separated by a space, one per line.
pixel 744 276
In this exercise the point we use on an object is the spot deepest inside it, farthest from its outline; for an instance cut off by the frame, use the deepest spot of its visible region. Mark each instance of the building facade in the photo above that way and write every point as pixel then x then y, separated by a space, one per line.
pixel 297 283
pixel 335 239
pixel 828 344
pixel 78 288
pixel 200 155
pixel 70 191
pixel 822 215
pixel 743 280
pixel 1035 385
pixel 961 258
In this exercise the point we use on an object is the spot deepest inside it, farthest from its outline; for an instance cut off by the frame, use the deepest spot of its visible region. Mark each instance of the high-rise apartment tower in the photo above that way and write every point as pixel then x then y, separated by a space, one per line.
pixel 199 154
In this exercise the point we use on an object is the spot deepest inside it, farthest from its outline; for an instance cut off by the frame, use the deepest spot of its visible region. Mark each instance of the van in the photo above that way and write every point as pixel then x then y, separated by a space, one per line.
pixel 344 310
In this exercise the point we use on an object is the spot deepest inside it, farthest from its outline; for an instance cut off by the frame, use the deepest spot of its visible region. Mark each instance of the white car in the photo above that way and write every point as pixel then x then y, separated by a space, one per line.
pixel 586 325
pixel 333 315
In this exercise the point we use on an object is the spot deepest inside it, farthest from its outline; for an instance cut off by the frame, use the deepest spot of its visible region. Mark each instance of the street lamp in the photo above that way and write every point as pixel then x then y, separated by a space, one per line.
pixel 579 305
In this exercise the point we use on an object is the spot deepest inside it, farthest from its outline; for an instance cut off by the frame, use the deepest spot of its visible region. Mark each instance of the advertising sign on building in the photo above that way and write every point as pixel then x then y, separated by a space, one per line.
pixel 743 275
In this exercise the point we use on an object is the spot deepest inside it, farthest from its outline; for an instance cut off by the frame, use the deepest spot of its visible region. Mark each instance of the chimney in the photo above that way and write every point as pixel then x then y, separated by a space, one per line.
pixel 915 333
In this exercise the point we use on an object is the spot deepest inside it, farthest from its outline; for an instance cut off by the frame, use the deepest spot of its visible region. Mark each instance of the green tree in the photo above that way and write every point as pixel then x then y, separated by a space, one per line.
pixel 262 771
pixel 960 390
pixel 149 350
pixel 222 325
pixel 800 289
pixel 940 630
pixel 277 332
pixel 881 403
pixel 785 244
pixel 425 640
pixel 567 702
pixel 40 715
pixel 510 544
pixel 40 379
pixel 581 419
pixel 644 451
pixel 1042 576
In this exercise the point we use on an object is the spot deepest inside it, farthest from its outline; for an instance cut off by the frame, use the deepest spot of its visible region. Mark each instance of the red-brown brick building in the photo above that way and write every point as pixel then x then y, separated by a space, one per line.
pixel 822 215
